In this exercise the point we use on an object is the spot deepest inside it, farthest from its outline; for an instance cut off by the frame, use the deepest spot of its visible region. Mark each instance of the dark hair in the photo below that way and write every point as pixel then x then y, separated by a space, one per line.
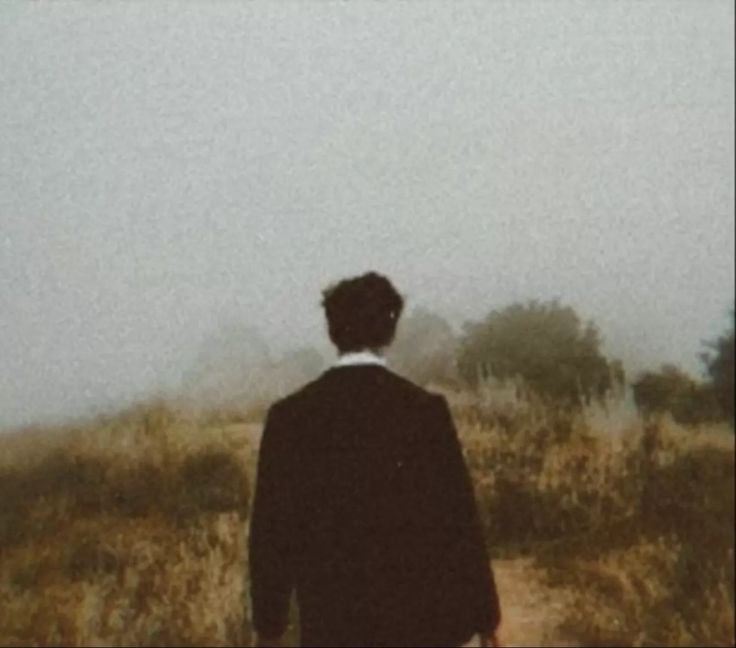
pixel 362 312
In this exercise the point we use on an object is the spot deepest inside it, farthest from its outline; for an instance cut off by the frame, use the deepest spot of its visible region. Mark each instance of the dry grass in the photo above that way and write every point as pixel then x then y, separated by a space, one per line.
pixel 130 529
pixel 636 522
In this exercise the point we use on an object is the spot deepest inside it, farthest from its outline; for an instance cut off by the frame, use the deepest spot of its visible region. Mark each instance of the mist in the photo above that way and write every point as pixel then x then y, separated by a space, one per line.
pixel 173 172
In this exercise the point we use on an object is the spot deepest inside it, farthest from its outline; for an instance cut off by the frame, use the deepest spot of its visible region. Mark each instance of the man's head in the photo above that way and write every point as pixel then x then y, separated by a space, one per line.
pixel 362 312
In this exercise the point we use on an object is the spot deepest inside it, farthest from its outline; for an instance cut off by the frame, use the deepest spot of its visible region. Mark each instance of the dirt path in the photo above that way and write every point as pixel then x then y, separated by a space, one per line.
pixel 531 610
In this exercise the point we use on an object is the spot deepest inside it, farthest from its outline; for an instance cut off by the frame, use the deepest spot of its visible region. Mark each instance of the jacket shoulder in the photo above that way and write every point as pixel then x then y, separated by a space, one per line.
pixel 391 385
pixel 295 398
pixel 416 392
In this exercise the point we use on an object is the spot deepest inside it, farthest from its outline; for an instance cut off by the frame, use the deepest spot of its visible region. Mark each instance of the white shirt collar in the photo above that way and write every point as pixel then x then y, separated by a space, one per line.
pixel 360 358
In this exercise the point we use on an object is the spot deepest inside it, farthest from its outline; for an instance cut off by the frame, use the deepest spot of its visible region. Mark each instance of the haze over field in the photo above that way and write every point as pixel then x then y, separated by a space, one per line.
pixel 168 170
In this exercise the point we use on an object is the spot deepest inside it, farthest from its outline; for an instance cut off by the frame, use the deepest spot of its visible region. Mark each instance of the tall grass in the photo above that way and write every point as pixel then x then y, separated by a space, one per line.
pixel 638 521
pixel 131 529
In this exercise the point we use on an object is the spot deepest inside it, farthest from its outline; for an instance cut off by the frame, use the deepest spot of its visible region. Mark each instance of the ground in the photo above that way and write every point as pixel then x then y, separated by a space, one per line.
pixel 530 609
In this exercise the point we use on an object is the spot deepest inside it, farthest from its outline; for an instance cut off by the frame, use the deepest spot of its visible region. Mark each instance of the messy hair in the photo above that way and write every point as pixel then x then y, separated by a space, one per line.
pixel 362 312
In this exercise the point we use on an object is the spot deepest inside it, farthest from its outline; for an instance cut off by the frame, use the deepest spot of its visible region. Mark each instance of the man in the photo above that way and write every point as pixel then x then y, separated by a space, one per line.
pixel 363 503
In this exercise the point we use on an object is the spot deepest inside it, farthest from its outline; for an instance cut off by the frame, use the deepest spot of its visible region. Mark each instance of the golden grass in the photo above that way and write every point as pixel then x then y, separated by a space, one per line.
pixel 131 529
pixel 113 581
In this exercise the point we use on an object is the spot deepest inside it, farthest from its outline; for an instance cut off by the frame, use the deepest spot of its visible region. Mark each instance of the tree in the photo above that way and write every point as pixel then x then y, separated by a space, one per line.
pixel 229 368
pixel 546 345
pixel 425 348
pixel 720 369
pixel 672 390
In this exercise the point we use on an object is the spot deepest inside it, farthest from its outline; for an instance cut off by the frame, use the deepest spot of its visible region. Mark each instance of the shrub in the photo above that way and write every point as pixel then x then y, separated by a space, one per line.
pixel 720 367
pixel 213 480
pixel 672 390
pixel 546 345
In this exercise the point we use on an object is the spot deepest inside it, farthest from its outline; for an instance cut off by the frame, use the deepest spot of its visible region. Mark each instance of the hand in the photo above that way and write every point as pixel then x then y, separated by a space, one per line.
pixel 491 640
pixel 263 642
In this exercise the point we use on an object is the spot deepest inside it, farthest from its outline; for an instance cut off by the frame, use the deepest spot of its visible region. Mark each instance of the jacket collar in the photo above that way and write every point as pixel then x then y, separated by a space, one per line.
pixel 364 357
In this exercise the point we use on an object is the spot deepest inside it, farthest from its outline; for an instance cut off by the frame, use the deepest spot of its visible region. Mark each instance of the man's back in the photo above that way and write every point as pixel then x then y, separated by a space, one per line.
pixel 364 505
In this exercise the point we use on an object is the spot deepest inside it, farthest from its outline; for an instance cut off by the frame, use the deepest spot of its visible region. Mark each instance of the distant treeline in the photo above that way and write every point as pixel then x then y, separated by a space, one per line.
pixel 544 348
pixel 548 351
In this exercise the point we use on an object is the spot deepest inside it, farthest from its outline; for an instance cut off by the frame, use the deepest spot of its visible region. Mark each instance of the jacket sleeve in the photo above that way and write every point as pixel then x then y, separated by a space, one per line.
pixel 271 539
pixel 466 546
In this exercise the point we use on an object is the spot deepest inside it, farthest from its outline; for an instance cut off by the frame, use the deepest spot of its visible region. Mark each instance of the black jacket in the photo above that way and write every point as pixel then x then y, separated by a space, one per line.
pixel 364 505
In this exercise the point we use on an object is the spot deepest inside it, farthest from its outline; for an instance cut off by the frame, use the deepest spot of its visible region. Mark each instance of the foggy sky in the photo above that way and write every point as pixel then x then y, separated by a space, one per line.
pixel 168 168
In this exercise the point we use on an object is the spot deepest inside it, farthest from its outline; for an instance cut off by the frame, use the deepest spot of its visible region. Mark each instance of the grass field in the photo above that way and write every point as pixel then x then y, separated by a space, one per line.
pixel 131 529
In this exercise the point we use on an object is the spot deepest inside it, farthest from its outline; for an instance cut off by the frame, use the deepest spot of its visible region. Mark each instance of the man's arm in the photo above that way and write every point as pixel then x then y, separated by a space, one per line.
pixel 467 547
pixel 271 540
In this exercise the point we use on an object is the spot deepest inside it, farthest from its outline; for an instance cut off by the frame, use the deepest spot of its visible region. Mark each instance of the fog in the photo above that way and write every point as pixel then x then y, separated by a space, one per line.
pixel 171 170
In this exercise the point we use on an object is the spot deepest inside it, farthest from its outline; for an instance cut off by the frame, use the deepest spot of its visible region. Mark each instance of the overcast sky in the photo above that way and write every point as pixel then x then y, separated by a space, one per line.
pixel 166 168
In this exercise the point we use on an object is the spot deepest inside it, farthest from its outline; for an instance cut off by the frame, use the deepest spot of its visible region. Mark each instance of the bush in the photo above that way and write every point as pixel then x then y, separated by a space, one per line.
pixel 546 345
pixel 37 499
pixel 672 390
pixel 720 367
pixel 213 480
